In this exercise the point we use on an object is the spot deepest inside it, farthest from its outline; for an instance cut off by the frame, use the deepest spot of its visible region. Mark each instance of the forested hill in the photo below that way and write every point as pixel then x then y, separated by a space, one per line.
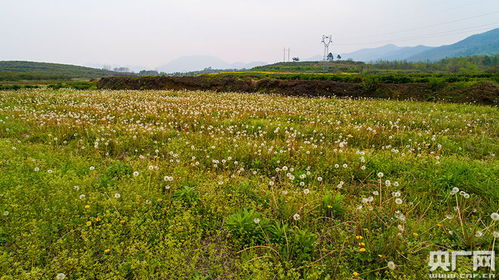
pixel 29 70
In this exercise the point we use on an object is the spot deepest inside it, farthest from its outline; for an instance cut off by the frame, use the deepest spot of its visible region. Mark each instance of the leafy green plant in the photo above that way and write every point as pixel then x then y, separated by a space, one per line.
pixel 332 205
pixel 186 194
pixel 248 226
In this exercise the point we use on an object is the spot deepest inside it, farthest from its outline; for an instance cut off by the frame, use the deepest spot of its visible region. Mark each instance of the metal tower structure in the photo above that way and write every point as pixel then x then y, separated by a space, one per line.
pixel 288 56
pixel 326 40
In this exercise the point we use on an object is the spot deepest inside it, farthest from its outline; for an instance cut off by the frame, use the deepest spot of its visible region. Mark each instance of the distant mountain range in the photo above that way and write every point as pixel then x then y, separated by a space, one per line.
pixel 480 44
pixel 200 62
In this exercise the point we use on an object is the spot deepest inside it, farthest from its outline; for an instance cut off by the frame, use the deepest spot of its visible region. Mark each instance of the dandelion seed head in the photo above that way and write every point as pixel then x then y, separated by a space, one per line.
pixel 495 216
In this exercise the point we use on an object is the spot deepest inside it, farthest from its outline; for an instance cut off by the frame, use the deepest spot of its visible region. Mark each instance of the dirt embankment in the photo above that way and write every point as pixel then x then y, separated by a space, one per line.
pixel 482 93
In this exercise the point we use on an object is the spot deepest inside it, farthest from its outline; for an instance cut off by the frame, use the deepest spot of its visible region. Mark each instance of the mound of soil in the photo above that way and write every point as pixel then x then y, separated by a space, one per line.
pixel 482 93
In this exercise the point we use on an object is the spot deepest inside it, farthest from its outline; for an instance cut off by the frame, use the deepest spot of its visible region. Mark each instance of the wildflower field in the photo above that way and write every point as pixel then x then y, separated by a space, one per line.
pixel 204 185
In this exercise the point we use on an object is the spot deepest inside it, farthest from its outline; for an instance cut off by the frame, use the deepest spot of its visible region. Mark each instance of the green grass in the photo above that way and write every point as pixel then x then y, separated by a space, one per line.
pixel 204 185
pixel 395 78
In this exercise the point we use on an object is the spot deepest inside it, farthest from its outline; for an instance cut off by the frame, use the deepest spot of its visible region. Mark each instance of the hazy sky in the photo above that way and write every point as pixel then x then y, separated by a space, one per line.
pixel 152 32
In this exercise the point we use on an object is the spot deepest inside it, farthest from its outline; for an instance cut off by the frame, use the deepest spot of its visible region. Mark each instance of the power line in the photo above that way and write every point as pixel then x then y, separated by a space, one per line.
pixel 455 31
pixel 430 26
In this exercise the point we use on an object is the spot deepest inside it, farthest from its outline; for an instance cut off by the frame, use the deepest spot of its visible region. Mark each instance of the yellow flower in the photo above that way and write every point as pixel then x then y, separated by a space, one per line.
pixel 329 206
pixel 381 256
pixel 362 244
pixel 107 250
pixel 362 250
pixel 87 206
pixel 88 223
pixel 122 221
pixel 97 219
pixel 359 237
pixel 415 234
pixel 355 274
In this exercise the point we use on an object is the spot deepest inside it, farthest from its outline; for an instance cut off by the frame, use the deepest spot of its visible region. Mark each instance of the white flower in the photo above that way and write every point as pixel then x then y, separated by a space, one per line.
pixel 285 168
pixel 466 195
pixel 454 191
pixel 449 216
pixel 296 216
pixel 49 171
pixel 82 196
pixel 256 220
pixel 60 276
pixel 271 183
pixel 167 187
pixel 398 201
pixel 401 228
pixel 117 195
pixel 391 265
pixel 495 216
pixel 284 192
pixel 380 174
pixel 363 167
pixel 388 183
pixel 6 213
pixel 496 234
pixel 396 184
pixel 306 191
pixel 136 173
pixel 37 169
pixel 76 188
pixel 375 193
pixel 396 194
pixel 319 179
pixel 478 233
pixel 92 167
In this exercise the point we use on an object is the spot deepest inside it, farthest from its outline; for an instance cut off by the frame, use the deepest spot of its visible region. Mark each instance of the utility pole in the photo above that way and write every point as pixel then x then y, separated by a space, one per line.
pixel 289 55
pixel 326 40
